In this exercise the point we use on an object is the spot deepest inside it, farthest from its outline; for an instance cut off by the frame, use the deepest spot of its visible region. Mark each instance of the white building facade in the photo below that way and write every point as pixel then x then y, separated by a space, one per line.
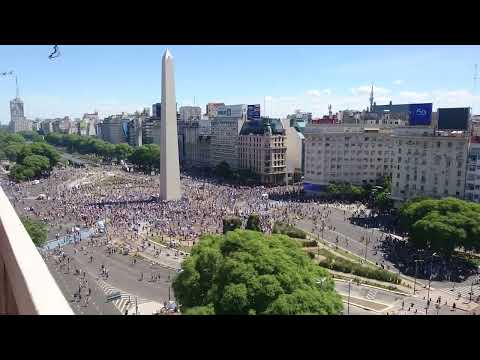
pixel 354 154
pixel 225 141
pixel 428 163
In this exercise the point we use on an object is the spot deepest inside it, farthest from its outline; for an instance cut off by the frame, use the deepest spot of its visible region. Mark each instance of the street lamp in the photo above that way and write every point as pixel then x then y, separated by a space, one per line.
pixel 430 277
pixel 348 301
pixel 416 270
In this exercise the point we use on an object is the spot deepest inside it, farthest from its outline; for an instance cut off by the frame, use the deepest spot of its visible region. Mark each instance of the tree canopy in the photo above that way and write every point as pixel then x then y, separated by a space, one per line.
pixel 442 225
pixel 37 230
pixel 246 272
pixel 253 223
pixel 32 159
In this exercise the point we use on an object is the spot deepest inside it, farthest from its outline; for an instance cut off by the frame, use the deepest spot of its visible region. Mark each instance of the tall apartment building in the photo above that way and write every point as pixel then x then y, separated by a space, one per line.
pixel 195 143
pixel 190 113
pixel 428 163
pixel 88 124
pixel 239 111
pixel 224 145
pixel 472 183
pixel 157 110
pixel 295 142
pixel 46 126
pixel 115 129
pixel 135 131
pixel 262 148
pixel 355 154
pixel 36 125
pixel 63 125
pixel 151 130
pixel 18 122
pixel 300 117
pixel 212 109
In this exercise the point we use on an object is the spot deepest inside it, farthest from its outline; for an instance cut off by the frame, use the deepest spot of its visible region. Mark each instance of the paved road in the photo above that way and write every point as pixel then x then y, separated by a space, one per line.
pixel 123 276
pixel 68 284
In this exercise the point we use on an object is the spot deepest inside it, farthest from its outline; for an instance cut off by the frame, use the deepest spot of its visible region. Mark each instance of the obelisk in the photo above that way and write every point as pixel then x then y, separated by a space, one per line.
pixel 169 162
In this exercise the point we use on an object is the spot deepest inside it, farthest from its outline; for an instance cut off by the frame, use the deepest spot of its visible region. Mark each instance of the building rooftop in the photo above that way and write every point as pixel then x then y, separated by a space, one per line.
pixel 260 127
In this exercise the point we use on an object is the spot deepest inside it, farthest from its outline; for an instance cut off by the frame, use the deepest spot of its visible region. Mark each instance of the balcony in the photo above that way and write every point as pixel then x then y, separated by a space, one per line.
pixel 26 286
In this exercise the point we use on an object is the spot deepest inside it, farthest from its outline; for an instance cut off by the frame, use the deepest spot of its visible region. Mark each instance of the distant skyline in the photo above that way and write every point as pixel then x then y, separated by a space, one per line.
pixel 112 79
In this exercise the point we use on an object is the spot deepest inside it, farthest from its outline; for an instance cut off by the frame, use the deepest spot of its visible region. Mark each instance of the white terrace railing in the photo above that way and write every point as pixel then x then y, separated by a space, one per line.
pixel 26 285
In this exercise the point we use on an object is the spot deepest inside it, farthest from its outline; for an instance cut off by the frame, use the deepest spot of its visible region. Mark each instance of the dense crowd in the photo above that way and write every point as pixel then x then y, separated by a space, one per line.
pixel 77 198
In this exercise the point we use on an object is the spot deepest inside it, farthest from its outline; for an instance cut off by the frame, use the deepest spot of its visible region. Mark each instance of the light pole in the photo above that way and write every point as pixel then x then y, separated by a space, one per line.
pixel 430 278
pixel 366 248
pixel 416 270
pixel 471 291
pixel 348 301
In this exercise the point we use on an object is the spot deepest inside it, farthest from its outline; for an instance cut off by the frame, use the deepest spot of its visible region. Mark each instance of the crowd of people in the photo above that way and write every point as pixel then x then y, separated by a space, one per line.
pixel 127 203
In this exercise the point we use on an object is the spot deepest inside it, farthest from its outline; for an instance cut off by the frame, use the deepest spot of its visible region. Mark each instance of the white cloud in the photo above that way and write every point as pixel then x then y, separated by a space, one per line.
pixel 268 98
pixel 319 93
pixel 413 96
pixel 398 82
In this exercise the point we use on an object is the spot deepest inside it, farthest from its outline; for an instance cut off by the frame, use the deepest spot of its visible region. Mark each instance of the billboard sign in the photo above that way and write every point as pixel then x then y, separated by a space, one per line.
pixel 453 118
pixel 253 112
pixel 420 114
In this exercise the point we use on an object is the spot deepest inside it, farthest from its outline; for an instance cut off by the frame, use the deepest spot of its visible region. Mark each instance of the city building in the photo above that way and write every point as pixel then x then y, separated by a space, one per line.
pixel 46 126
pixel 262 149
pixel 18 122
pixel 295 143
pixel 36 124
pixel 428 162
pixel 135 131
pixel 224 143
pixel 88 124
pixel 114 129
pixel 157 110
pixel 63 125
pixel 190 113
pixel 472 182
pixel 354 154
pixel 300 117
pixel 349 117
pixel 239 111
pixel 151 130
pixel 326 119
pixel 212 109
pixel 195 143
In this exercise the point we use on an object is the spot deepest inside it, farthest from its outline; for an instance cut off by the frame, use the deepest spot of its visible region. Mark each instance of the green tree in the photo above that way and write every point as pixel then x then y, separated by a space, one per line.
pixel 223 170
pixel 253 223
pixel 231 224
pixel 37 230
pixel 246 272
pixel 442 225
pixel 122 151
pixel 37 163
pixel 146 157
pixel 46 150
pixel 12 150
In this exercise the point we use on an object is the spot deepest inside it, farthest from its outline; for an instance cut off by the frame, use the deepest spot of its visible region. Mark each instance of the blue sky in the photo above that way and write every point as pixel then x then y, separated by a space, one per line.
pixel 113 79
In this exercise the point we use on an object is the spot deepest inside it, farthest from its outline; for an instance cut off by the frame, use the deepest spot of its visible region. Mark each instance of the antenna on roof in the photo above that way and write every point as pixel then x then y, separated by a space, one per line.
pixel 475 76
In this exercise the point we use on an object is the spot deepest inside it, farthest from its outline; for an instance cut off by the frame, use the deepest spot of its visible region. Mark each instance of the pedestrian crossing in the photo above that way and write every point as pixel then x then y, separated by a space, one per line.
pixel 126 300
pixel 372 294
pixel 464 292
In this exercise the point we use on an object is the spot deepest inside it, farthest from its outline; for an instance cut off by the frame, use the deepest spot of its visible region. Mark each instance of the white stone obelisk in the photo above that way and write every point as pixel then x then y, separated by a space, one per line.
pixel 169 162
